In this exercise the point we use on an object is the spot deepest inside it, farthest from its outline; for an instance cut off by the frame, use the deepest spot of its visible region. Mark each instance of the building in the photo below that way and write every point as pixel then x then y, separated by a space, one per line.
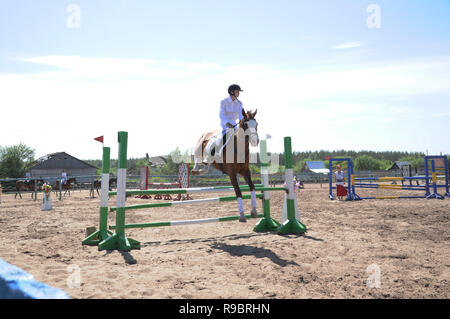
pixel 399 165
pixel 51 166
pixel 157 161
pixel 316 167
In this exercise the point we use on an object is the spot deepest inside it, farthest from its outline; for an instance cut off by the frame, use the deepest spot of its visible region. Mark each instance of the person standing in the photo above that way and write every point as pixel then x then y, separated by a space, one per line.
pixel 340 183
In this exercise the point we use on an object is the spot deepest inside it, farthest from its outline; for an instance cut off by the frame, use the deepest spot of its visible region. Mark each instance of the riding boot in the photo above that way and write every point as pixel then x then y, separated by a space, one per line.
pixel 200 169
pixel 196 168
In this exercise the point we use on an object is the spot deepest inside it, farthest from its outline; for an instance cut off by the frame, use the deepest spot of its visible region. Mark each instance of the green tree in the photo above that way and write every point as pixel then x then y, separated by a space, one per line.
pixel 298 167
pixel 170 168
pixel 255 170
pixel 367 163
pixel 15 160
pixel 414 161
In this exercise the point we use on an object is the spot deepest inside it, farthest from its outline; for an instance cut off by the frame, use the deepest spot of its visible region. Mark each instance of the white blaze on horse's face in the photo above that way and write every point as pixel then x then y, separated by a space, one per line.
pixel 254 139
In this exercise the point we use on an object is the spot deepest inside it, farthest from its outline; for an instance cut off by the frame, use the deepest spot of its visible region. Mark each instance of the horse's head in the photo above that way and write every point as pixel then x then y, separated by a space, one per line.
pixel 250 127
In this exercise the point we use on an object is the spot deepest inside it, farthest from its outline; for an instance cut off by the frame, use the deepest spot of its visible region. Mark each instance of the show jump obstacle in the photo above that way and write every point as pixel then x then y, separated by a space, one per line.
pixel 183 182
pixel 106 240
pixel 430 188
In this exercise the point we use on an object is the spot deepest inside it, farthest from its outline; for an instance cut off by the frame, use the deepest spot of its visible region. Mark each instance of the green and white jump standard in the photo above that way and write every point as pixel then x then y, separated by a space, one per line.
pixel 292 224
pixel 103 233
pixel 119 240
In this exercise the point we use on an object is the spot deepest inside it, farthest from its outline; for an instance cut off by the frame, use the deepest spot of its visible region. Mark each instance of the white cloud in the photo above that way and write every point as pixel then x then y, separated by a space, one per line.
pixel 167 104
pixel 349 45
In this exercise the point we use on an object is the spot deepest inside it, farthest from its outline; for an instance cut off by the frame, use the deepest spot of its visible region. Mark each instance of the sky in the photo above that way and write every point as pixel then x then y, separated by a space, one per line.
pixel 332 74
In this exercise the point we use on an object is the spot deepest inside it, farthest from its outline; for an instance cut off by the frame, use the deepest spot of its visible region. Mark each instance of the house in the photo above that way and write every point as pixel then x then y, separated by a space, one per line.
pixel 316 167
pixel 51 166
pixel 157 161
pixel 402 168
pixel 399 165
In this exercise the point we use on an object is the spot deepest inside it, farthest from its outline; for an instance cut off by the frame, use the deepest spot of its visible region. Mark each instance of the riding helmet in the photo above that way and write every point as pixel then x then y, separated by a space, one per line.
pixel 234 87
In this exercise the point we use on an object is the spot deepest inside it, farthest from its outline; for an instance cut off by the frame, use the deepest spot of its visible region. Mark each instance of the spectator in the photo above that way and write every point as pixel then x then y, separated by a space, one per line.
pixel 340 182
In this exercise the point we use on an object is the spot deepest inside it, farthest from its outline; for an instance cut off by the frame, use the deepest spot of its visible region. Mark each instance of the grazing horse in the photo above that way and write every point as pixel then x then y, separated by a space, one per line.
pixel 246 133
pixel 64 186
pixel 22 185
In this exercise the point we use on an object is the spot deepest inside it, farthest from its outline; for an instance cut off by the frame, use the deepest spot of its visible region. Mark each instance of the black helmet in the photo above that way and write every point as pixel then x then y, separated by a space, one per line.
pixel 233 87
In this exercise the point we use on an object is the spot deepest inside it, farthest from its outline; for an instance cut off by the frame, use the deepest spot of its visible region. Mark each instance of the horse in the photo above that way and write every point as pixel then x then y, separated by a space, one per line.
pixel 22 185
pixel 98 184
pixel 64 186
pixel 247 134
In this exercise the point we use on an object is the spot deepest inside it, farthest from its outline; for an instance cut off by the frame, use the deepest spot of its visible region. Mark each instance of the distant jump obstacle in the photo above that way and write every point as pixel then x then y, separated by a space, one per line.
pixel 106 240
pixel 183 182
pixel 430 187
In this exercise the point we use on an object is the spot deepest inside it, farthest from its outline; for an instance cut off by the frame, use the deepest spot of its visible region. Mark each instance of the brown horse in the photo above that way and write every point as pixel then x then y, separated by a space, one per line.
pixel 245 134
pixel 23 185
pixel 64 186
pixel 98 184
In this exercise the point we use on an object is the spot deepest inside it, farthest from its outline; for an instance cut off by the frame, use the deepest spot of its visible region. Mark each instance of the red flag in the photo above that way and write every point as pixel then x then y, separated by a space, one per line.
pixel 100 139
pixel 327 157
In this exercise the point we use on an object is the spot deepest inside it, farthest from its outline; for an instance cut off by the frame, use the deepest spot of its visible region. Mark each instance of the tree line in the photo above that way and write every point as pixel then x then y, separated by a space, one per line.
pixel 15 160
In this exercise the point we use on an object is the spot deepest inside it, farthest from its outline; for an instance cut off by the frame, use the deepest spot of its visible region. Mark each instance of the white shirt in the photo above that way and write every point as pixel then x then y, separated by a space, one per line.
pixel 339 177
pixel 230 111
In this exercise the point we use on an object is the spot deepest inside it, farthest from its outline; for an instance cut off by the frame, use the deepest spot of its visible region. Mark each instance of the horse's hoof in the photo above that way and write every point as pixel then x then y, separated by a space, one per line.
pixel 243 219
pixel 254 213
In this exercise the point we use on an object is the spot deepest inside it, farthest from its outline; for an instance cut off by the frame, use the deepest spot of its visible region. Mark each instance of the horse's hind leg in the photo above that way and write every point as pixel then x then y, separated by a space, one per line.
pixel 249 181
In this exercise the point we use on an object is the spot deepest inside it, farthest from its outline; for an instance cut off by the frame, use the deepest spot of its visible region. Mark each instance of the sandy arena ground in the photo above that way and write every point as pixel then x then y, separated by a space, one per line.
pixel 407 241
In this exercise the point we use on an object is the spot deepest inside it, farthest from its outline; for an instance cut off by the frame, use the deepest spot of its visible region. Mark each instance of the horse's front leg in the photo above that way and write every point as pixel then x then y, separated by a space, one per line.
pixel 248 179
pixel 234 182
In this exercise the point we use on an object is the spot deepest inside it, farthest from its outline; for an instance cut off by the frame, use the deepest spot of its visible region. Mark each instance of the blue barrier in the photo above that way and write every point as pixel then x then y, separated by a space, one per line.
pixel 430 179
pixel 18 284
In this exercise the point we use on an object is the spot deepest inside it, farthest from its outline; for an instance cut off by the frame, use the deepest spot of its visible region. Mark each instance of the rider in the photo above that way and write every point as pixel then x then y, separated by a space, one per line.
pixel 63 177
pixel 27 177
pixel 230 111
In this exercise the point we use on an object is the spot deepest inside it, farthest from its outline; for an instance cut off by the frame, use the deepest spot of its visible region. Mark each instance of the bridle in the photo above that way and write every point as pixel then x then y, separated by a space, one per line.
pixel 244 125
